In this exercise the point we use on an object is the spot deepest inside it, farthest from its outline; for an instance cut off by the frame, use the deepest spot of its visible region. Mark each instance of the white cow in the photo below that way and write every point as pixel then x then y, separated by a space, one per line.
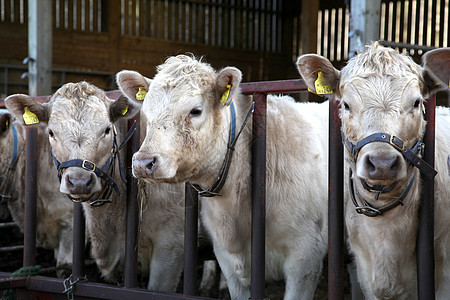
pixel 54 212
pixel 82 126
pixel 382 94
pixel 188 130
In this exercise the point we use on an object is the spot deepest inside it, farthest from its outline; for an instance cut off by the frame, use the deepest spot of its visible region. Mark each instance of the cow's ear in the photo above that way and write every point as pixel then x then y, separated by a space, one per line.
pixel 25 108
pixel 133 85
pixel 436 70
pixel 5 123
pixel 227 84
pixel 318 72
pixel 123 108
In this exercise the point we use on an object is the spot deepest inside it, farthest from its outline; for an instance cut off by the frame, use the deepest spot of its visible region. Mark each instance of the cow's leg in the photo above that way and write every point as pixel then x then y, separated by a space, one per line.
pixel 238 278
pixel 302 276
pixel 166 265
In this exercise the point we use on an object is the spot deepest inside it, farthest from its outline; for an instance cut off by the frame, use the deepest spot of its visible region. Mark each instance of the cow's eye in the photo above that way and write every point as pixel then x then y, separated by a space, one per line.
pixel 417 103
pixel 346 107
pixel 107 130
pixel 50 133
pixel 195 112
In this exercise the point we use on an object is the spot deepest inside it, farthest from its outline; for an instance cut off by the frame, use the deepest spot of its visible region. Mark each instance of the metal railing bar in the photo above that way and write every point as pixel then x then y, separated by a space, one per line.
pixel 79 229
pixel 132 215
pixel 96 290
pixel 29 253
pixel 425 235
pixel 190 240
pixel 258 197
pixel 335 205
pixel 8 225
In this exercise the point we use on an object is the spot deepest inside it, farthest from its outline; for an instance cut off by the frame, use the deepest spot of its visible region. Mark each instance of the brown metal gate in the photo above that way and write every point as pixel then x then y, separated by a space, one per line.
pixel 52 286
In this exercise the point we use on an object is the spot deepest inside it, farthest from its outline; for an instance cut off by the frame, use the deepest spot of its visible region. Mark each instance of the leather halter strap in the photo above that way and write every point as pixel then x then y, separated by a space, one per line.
pixel 100 172
pixel 214 190
pixel 410 155
pixel 5 187
pixel 368 209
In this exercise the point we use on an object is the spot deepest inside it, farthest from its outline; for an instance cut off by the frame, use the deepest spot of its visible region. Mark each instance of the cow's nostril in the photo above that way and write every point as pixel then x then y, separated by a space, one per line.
pixel 151 164
pixel 71 185
pixel 90 182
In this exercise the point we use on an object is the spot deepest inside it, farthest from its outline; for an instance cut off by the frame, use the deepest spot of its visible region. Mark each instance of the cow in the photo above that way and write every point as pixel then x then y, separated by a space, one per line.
pixel 190 137
pixel 381 95
pixel 85 129
pixel 54 214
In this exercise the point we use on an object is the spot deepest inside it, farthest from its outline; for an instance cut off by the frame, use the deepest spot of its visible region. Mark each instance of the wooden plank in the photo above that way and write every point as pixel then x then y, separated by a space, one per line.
pixel 8 11
pixel 70 13
pixel 79 25
pixel 126 18
pixel 308 26
pixel 95 16
pixel 425 24
pixel 433 23
pixel 16 13
pixel 133 20
pixel 442 24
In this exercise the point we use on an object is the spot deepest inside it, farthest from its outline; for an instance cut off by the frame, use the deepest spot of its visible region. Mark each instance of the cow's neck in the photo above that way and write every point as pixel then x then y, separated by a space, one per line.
pixel 214 181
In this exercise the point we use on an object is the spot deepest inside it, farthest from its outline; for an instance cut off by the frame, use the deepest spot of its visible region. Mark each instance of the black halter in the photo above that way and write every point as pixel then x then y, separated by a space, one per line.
pixel 412 157
pixel 105 172
pixel 218 184
pixel 6 185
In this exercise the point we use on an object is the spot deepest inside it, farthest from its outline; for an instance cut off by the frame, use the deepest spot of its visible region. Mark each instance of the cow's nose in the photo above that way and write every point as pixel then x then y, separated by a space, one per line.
pixel 382 168
pixel 144 167
pixel 81 185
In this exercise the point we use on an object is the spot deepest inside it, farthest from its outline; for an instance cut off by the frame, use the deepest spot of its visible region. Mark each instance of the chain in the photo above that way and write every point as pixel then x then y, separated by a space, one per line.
pixel 69 285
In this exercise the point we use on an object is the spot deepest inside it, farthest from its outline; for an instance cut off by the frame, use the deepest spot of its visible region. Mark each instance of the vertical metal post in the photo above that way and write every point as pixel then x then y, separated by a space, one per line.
pixel 39 73
pixel 190 240
pixel 29 252
pixel 40 47
pixel 425 236
pixel 131 248
pixel 79 232
pixel 364 24
pixel 258 197
pixel 335 205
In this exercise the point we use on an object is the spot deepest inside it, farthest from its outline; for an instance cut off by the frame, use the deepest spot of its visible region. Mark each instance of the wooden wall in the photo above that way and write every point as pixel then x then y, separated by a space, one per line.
pixel 104 37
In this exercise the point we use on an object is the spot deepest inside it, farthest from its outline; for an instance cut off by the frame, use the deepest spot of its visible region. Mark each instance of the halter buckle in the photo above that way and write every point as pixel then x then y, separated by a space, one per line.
pixel 397 143
pixel 88 165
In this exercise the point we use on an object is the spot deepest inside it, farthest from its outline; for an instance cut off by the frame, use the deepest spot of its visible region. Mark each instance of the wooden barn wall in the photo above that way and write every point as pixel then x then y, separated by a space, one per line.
pixel 101 37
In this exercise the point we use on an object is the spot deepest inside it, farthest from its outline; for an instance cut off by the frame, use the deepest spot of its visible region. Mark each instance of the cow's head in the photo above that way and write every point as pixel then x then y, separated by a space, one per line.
pixel 80 120
pixel 184 118
pixel 380 91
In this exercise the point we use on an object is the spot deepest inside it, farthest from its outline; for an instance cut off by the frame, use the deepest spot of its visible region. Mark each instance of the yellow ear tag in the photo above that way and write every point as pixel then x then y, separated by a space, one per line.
pixel 321 85
pixel 140 95
pixel 310 90
pixel 7 124
pixel 29 118
pixel 225 96
pixel 124 110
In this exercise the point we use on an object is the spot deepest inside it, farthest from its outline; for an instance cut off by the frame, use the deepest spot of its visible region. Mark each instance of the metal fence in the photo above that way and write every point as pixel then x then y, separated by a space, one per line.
pixel 42 285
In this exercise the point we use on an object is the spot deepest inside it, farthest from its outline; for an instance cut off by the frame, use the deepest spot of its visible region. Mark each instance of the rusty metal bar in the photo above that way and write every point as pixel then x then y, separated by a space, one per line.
pixel 11 283
pixel 8 225
pixel 335 205
pixel 131 248
pixel 292 85
pixel 79 232
pixel 425 235
pixel 29 252
pixel 52 288
pixel 11 248
pixel 190 240
pixel 258 197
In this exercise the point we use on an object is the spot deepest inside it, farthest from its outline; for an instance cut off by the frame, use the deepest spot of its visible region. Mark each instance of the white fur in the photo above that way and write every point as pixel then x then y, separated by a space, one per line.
pixel 380 88
pixel 53 210
pixel 192 148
